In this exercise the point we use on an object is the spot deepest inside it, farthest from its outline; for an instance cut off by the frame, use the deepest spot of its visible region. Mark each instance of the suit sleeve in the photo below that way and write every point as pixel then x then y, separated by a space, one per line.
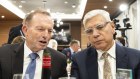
pixel 138 70
pixel 0 71
pixel 64 72
pixel 135 62
pixel 134 57
pixel 64 52
pixel 75 70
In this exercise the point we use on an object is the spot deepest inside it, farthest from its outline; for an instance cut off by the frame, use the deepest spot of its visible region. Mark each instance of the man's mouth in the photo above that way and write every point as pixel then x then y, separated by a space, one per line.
pixel 98 42
pixel 43 42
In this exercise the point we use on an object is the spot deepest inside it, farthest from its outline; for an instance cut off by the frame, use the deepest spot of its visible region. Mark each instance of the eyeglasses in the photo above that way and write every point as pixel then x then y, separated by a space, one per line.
pixel 98 27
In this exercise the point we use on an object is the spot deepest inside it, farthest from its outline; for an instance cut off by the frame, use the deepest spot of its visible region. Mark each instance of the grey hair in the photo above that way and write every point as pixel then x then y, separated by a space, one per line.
pixel 92 13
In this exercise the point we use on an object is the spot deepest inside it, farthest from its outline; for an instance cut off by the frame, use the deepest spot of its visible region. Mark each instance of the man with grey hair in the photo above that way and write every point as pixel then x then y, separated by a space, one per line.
pixel 104 58
pixel 33 58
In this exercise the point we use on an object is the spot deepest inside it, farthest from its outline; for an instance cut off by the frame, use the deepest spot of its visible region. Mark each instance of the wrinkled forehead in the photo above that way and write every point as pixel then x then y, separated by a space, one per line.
pixel 98 19
pixel 36 16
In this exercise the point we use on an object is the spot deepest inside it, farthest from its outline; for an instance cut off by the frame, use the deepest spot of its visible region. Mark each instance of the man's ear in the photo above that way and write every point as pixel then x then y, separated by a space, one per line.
pixel 112 24
pixel 113 27
pixel 24 29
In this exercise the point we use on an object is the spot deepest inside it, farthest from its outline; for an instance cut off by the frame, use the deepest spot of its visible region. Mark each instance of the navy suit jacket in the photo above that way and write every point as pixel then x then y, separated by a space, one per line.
pixel 85 64
pixel 11 62
pixel 67 52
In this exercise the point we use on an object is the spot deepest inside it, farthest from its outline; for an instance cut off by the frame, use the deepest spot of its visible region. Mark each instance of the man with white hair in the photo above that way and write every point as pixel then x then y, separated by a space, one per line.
pixel 104 58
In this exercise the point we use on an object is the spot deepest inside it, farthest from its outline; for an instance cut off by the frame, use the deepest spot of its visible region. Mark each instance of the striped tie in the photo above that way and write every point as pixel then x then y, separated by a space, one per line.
pixel 106 69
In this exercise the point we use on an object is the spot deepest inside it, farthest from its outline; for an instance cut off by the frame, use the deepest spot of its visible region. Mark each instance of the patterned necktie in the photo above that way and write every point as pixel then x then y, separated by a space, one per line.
pixel 106 69
pixel 32 66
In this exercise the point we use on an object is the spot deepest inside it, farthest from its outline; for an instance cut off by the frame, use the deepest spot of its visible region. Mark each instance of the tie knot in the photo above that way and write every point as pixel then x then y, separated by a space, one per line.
pixel 105 55
pixel 33 56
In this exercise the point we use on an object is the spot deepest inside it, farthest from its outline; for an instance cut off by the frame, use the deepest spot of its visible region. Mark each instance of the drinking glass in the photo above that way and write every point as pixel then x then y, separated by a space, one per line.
pixel 67 78
pixel 20 76
pixel 17 76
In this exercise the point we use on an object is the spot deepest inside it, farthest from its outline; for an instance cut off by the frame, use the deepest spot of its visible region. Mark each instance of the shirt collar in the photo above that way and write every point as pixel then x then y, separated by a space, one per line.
pixel 111 52
pixel 27 51
pixel 71 50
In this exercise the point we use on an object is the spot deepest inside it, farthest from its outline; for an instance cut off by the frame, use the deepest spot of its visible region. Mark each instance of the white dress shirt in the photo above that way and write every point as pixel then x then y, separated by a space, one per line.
pixel 72 51
pixel 112 61
pixel 27 60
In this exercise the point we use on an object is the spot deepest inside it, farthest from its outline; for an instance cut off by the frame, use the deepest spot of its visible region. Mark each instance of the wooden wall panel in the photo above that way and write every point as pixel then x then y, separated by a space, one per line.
pixel 4 30
pixel 84 39
pixel 77 31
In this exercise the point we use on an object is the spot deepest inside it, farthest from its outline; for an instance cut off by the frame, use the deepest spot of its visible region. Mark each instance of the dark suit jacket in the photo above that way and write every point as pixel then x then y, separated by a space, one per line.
pixel 14 32
pixel 85 64
pixel 11 61
pixel 67 52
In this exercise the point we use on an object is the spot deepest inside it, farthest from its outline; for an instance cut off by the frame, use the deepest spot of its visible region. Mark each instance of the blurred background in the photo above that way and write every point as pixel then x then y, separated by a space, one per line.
pixel 68 15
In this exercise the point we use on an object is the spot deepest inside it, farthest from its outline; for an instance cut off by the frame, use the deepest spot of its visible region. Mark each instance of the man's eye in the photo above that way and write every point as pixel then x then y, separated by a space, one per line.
pixel 99 27
pixel 41 29
pixel 50 31
pixel 89 30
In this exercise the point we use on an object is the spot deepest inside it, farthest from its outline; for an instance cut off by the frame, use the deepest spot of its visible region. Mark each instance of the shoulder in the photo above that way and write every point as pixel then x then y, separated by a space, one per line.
pixel 15 30
pixel 130 52
pixel 85 52
pixel 133 55
pixel 8 47
pixel 6 50
pixel 66 50
pixel 56 53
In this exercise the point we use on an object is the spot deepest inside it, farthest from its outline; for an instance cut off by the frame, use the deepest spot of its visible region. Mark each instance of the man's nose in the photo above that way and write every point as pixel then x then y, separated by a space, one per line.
pixel 45 34
pixel 96 33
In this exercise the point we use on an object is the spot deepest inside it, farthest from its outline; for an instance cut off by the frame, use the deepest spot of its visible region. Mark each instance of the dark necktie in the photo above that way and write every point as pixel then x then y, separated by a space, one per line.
pixel 106 69
pixel 32 66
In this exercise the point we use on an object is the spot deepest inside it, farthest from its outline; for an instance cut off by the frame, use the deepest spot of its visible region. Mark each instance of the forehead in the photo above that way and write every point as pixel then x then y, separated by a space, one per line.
pixel 41 19
pixel 78 43
pixel 95 20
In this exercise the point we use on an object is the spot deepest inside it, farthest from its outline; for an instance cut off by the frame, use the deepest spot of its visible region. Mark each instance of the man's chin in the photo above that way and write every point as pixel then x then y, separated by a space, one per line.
pixel 42 47
pixel 99 47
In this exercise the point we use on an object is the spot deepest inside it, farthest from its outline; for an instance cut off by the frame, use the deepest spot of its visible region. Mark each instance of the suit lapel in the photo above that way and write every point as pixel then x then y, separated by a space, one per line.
pixel 92 64
pixel 70 53
pixel 18 59
pixel 121 57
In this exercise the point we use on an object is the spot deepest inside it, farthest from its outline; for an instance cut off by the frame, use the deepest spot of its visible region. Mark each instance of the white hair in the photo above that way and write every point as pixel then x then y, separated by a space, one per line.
pixel 92 13
pixel 53 44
